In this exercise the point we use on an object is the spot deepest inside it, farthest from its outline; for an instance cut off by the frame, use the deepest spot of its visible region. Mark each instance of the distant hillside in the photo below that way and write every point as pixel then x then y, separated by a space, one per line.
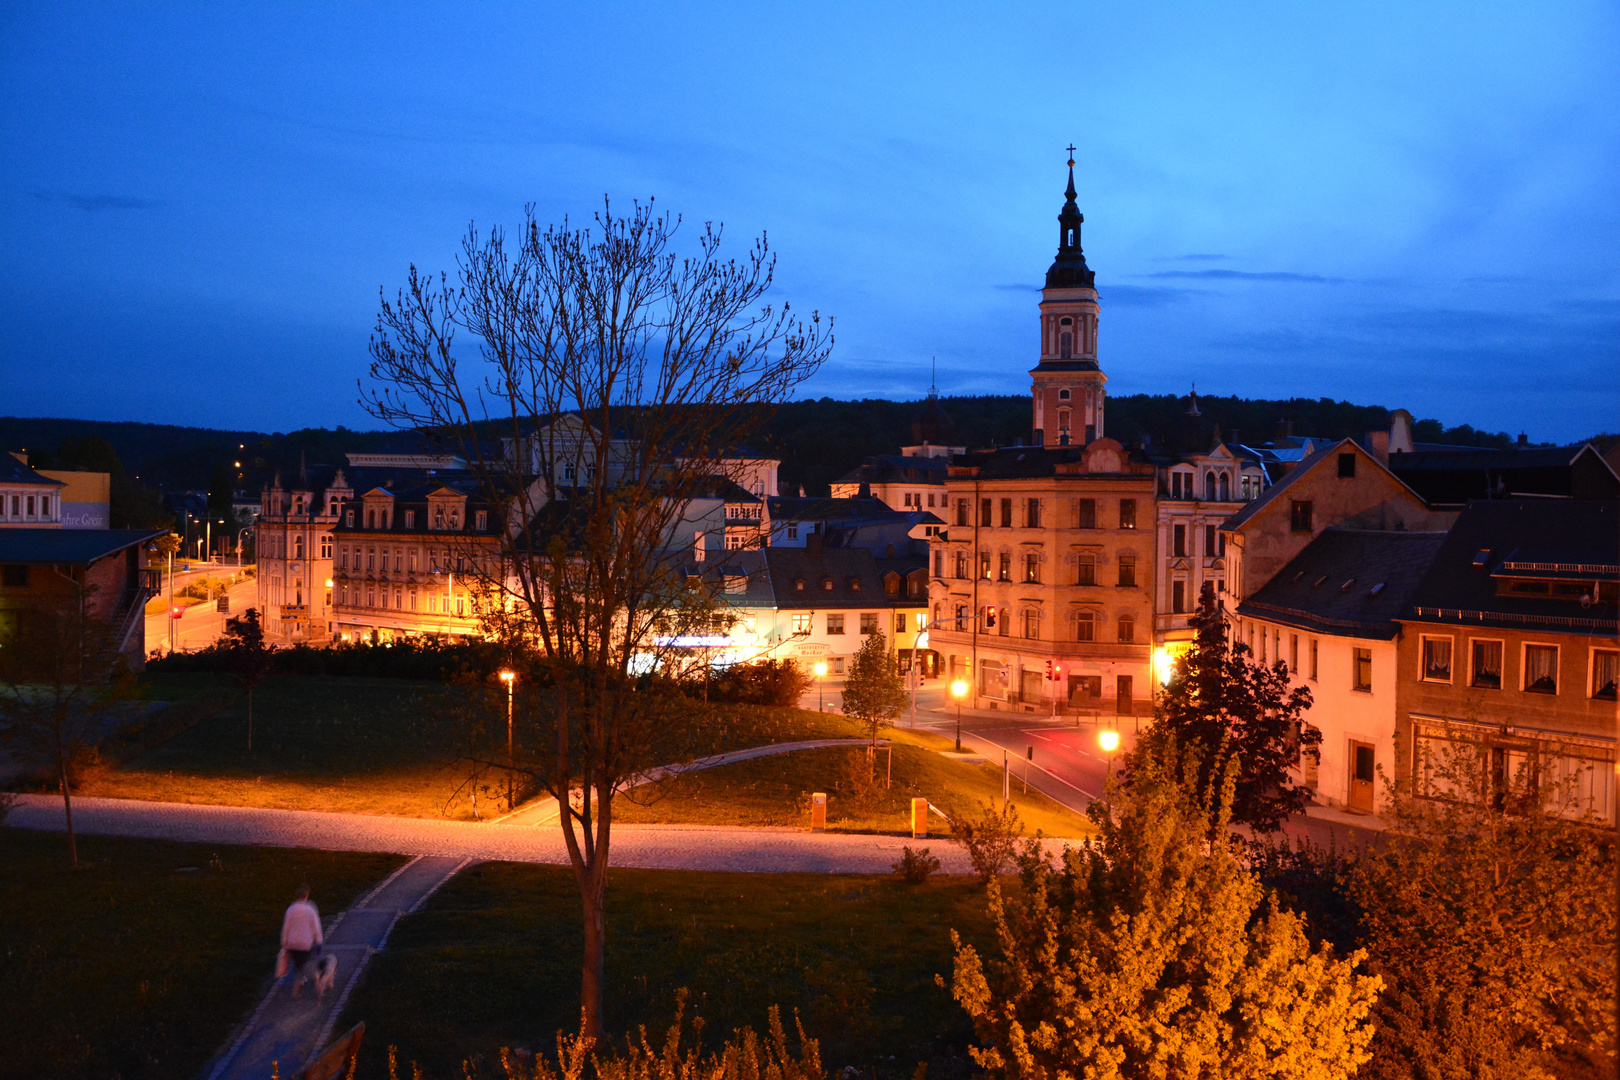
pixel 818 440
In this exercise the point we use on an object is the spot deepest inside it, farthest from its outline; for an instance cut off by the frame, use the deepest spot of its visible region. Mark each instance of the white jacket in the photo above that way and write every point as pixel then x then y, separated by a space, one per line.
pixel 301 927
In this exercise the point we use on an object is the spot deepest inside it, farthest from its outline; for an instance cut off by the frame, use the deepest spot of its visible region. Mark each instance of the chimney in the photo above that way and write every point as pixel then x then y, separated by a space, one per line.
pixel 1524 440
pixel 864 491
pixel 1378 446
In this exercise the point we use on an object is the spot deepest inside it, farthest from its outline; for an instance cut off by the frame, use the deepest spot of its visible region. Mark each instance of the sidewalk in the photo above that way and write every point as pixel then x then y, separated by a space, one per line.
pixel 283 1032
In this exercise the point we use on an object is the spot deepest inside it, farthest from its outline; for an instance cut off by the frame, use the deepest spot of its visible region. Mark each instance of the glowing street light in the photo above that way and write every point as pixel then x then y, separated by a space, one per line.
pixel 959 690
pixel 509 677
pixel 1109 741
pixel 821 673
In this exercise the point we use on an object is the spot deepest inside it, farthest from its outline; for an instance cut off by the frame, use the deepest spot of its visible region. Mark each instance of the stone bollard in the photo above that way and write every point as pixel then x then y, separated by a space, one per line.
pixel 919 818
pixel 818 811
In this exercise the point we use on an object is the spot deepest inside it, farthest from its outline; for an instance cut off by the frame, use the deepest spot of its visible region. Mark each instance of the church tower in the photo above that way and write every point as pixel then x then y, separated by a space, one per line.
pixel 1068 384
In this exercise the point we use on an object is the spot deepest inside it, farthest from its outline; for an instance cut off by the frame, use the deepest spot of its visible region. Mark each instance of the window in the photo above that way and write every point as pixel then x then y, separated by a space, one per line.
pixel 899 622
pixel 939 563
pixel 1085 514
pixel 801 622
pixel 1315 659
pixel 1362 677
pixel 371 558
pixel 826 584
pixel 413 560
pixel 1262 645
pixel 1032 624
pixel 1541 669
pixel 1127 513
pixel 835 623
pixel 1085 626
pixel 961 564
pixel 1127 629
pixel 1299 515
pixel 854 584
pixel 1436 655
pixel 438 517
pixel 1004 570
pixel 410 519
pixel 961 512
pixel 1486 664
pixel 869 623
pixel 1209 486
pixel 984 565
pixel 1178 597
pixel 986 513
pixel 1006 514
pixel 837 665
pixel 343 558
pixel 1066 339
pixel 1032 514
pixel 1127 571
pixel 481 520
pixel 15 576
pixel 1063 395
pixel 326 546
pixel 1032 568
pixel 1178 541
pixel 930 502
pixel 348 519
pixel 1605 671
pixel 1347 466
pixel 371 519
pixel 1086 569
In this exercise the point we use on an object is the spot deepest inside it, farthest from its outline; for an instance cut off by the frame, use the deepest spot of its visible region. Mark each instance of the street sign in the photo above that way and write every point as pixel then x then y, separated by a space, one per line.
pixel 223 604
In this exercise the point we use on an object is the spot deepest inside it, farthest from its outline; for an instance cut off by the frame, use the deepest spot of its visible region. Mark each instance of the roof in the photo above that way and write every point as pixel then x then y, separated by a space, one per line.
pixel 1347 581
pixel 1572 540
pixel 1026 462
pixel 856 576
pixel 792 508
pixel 896 469
pixel 1453 477
pixel 70 547
pixel 1280 489
pixel 13 471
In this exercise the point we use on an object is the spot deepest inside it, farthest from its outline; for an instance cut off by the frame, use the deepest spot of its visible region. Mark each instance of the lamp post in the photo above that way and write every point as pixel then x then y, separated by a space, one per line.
pixel 509 677
pixel 959 690
pixel 1109 741
pixel 821 673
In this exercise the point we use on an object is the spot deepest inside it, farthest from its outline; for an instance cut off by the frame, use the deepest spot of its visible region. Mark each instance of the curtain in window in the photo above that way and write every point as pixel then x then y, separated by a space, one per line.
pixel 1541 669
pixel 1605 672
pixel 1437 658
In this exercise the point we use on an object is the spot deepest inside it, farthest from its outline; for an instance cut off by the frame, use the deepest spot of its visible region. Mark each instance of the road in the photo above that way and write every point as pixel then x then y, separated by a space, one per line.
pixel 201 625
pixel 1061 759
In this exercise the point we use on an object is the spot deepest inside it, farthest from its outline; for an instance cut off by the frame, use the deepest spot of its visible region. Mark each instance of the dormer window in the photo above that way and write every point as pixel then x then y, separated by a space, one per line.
pixel 481 522
pixel 348 519
pixel 827 584
pixel 410 519
pixel 798 585
pixel 371 519
pixel 854 584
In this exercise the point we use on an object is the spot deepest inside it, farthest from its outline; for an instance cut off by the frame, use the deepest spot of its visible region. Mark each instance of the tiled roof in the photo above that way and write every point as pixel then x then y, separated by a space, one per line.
pixel 13 471
pixel 1347 581
pixel 70 547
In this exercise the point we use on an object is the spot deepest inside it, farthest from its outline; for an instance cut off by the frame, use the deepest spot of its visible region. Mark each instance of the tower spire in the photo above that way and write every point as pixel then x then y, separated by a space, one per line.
pixel 1069 269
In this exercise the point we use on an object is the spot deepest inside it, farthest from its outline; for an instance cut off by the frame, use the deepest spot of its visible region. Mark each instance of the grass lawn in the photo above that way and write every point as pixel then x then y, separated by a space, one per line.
pixel 132 967
pixel 374 746
pixel 776 791
pixel 493 961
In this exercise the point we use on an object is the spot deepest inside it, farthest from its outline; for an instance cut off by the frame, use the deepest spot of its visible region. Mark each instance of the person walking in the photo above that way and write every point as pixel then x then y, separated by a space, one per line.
pixel 301 936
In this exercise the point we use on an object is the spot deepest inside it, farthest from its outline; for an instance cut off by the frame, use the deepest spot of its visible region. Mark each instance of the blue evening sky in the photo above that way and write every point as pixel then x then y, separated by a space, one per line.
pixel 1411 205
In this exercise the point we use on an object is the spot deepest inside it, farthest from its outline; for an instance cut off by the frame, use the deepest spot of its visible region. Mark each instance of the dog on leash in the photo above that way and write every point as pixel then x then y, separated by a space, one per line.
pixel 324 974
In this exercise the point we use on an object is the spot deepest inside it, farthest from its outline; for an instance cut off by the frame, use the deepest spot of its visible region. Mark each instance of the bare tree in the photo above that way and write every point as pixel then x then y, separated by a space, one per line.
pixel 60 673
pixel 602 389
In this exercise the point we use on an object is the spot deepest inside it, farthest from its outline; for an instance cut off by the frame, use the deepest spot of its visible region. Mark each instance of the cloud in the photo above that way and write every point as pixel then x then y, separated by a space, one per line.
pixel 1145 296
pixel 1195 258
pixel 1025 287
pixel 97 202
pixel 1248 275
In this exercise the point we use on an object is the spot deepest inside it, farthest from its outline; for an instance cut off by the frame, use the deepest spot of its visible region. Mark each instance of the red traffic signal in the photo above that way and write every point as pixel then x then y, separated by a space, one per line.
pixel 1049 671
pixel 176 611
pixel 1057 672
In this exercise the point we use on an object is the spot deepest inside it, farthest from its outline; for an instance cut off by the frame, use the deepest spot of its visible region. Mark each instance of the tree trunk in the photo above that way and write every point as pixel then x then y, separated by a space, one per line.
pixel 592 972
pixel 67 799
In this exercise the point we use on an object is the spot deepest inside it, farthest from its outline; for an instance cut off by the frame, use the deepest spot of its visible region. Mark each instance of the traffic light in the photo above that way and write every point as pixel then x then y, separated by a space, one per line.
pixel 176 611
pixel 1057 672
pixel 1049 671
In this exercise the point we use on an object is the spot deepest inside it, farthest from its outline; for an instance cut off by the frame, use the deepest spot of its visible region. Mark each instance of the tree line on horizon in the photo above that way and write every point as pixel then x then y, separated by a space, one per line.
pixel 818 440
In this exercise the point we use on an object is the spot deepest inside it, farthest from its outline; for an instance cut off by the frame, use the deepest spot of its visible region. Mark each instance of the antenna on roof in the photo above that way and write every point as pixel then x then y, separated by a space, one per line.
pixel 933 377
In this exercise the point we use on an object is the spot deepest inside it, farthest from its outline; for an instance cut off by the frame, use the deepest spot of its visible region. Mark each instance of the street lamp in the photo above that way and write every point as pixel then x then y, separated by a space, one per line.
pixel 1109 741
pixel 821 673
pixel 959 690
pixel 509 677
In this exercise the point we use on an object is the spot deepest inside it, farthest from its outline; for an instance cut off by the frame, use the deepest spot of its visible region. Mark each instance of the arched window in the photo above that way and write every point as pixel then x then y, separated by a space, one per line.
pixel 1063 395
pixel 1006 623
pixel 298 547
pixel 1063 420
pixel 1209 486
pixel 1065 345
pixel 1226 490
pixel 1127 629
pixel 1071 238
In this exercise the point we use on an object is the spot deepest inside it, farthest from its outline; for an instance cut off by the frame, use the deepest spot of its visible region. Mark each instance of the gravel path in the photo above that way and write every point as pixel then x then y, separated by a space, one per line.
pixel 663 847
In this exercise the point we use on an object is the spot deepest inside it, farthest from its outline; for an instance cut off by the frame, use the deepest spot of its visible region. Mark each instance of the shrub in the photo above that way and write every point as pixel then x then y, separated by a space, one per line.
pixel 765 682
pixel 991 840
pixel 915 866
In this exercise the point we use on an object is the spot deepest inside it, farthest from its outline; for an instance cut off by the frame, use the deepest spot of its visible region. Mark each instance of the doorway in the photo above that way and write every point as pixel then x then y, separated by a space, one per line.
pixel 1123 705
pixel 1363 768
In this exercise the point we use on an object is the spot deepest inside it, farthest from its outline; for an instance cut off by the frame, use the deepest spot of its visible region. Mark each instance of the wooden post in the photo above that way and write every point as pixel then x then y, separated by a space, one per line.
pixel 818 811
pixel 919 819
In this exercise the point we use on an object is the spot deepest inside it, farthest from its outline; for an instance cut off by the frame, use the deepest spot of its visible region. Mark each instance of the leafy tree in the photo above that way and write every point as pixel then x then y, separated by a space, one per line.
pixel 221 504
pixel 596 382
pixel 250 659
pixel 1152 951
pixel 1489 912
pixel 61 673
pixel 875 691
pixel 1223 704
